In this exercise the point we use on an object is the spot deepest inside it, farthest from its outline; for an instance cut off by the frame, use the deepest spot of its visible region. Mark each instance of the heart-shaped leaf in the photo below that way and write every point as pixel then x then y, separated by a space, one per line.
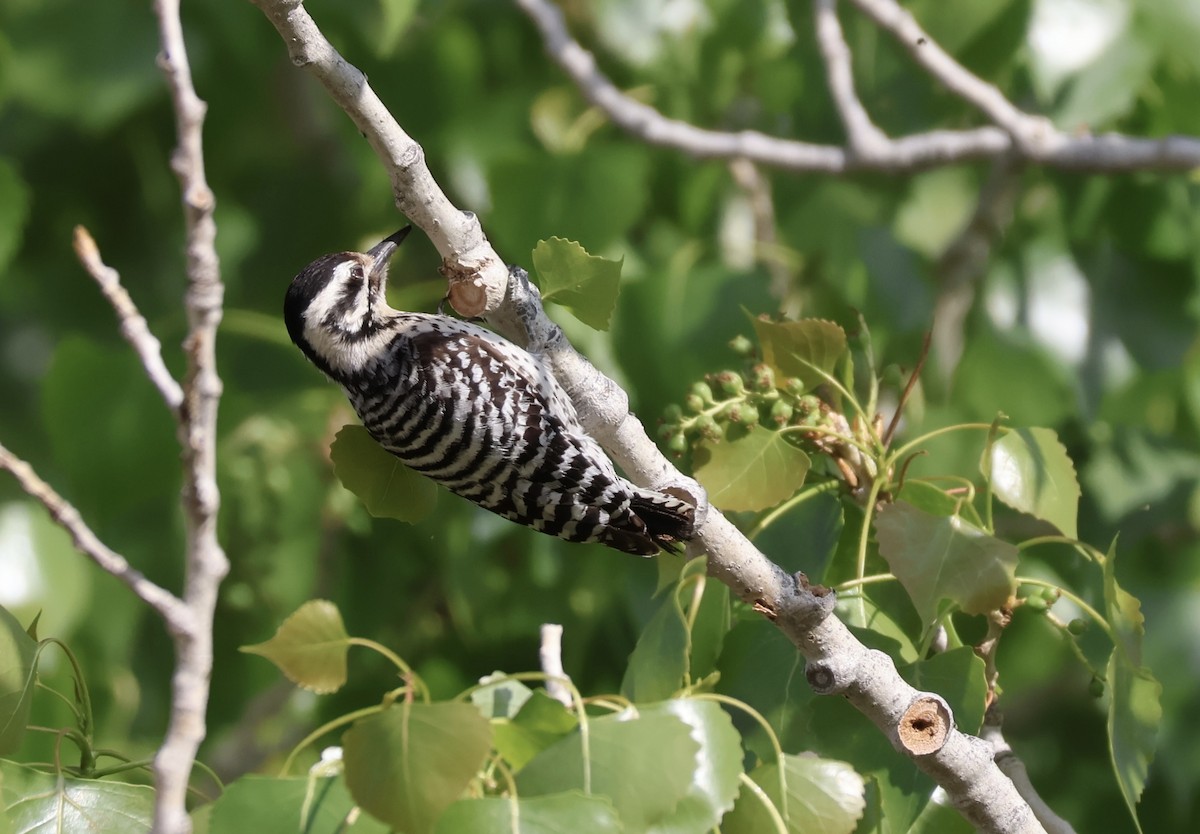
pixel 409 763
pixel 816 795
pixel 1031 472
pixel 17 670
pixel 585 284
pixel 309 647
pixel 807 350
pixel 387 488
pixel 754 472
pixel 940 558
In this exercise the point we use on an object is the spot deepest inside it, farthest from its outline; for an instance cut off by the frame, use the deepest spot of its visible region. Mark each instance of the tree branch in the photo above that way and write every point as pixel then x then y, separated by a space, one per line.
pixel 864 138
pixel 133 325
pixel 205 561
pixel 837 662
pixel 550 655
pixel 168 606
pixel 1031 138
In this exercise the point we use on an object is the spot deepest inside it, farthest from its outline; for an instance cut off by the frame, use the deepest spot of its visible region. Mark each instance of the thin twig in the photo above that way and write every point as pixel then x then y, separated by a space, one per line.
pixel 168 606
pixel 1014 769
pixel 550 655
pixel 864 138
pixel 1030 137
pixel 205 561
pixel 133 325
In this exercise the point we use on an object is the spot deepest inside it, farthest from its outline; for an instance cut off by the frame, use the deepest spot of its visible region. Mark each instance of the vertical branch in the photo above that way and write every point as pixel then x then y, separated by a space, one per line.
pixel 206 563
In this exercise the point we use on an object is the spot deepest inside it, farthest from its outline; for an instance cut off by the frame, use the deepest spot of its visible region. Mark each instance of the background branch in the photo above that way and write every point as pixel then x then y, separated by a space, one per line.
pixel 1032 138
pixel 205 564
pixel 962 765
pixel 133 326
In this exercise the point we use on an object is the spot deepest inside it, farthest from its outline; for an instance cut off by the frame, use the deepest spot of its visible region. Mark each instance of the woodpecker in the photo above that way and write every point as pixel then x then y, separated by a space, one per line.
pixel 469 409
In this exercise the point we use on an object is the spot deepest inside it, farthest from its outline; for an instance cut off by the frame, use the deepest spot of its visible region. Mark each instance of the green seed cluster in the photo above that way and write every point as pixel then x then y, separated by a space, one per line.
pixel 733 400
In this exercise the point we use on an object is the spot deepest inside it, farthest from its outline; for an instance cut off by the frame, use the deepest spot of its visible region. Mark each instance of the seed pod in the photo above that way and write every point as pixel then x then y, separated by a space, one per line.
pixel 1078 626
pixel 672 413
pixel 730 383
pixel 741 345
pixel 1096 688
pixel 763 377
pixel 694 404
pixel 781 412
pixel 1037 603
pixel 703 392
pixel 677 445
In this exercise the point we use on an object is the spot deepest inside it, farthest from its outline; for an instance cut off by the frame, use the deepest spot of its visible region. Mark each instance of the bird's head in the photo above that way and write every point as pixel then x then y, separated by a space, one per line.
pixel 336 305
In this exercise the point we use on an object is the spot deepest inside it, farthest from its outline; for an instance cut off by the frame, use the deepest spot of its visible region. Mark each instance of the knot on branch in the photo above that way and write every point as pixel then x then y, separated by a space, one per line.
pixel 808 604
pixel 830 676
pixel 925 725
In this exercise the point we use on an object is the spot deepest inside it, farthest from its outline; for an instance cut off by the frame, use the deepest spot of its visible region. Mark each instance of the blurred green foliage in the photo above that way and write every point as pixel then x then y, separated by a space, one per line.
pixel 1083 318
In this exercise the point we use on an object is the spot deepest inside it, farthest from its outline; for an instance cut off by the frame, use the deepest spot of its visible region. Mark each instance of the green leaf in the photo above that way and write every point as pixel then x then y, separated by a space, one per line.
pixel 658 666
pixel 309 647
pixel 587 285
pixel 541 722
pixel 18 653
pixel 940 558
pixel 1134 708
pixel 808 349
pixel 644 760
pixel 821 796
pixel 710 623
pixel 387 488
pixel 564 813
pixel 14 211
pixel 409 763
pixel 503 699
pixel 1031 472
pixel 754 472
pixel 287 805
pixel 716 778
pixel 45 803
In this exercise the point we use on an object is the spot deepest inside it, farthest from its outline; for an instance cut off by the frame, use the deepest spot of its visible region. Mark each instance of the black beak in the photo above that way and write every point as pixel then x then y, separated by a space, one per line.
pixel 381 253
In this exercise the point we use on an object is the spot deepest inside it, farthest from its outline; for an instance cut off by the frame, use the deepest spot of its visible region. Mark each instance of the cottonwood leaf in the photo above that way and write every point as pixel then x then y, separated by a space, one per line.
pixel 808 349
pixel 47 803
pixel 643 760
pixel 716 776
pixel 18 652
pixel 541 722
pixel 387 488
pixel 819 796
pixel 566 813
pixel 658 665
pixel 287 805
pixel 1031 472
pixel 585 284
pixel 309 647
pixel 1134 707
pixel 940 558
pixel 409 763
pixel 754 472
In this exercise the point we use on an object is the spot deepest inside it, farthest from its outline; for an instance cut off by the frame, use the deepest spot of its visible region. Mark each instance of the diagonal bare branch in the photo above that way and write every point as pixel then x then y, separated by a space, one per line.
pixel 134 328
pixel 168 606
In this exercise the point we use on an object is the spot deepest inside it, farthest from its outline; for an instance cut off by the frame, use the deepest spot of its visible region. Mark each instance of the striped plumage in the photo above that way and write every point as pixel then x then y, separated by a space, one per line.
pixel 470 409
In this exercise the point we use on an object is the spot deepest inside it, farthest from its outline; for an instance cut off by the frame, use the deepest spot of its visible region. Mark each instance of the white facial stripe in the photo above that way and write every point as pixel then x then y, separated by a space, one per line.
pixel 329 320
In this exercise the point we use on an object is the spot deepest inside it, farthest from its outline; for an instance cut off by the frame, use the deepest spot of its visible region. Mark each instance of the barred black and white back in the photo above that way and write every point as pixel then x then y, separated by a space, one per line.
pixel 470 409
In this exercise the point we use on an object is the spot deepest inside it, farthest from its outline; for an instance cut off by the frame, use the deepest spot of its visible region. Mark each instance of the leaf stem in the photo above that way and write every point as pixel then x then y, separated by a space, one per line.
pixel 406 671
pixel 1071 595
